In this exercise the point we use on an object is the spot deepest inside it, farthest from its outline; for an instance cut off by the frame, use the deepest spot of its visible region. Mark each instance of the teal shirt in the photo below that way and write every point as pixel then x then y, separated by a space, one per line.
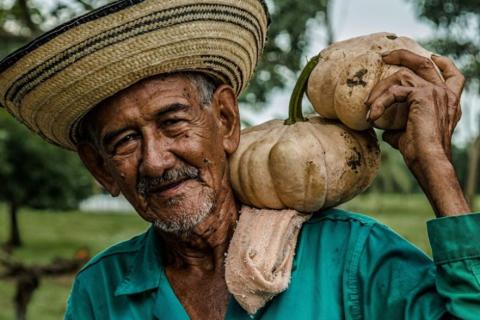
pixel 346 266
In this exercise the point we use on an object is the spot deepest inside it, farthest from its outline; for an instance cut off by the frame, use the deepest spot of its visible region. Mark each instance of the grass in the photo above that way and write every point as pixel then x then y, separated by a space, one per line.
pixel 48 234
pixel 407 215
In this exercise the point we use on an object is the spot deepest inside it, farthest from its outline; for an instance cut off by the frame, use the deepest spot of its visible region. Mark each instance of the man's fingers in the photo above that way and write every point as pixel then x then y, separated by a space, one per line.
pixel 453 77
pixel 381 87
pixel 403 77
pixel 455 82
pixel 388 97
pixel 422 66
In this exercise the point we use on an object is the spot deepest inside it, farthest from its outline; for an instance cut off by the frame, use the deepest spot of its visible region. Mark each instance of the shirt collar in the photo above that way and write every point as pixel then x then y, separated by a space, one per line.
pixel 146 270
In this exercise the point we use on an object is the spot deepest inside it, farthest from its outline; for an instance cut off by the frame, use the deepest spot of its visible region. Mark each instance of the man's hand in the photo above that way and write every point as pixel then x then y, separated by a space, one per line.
pixel 434 111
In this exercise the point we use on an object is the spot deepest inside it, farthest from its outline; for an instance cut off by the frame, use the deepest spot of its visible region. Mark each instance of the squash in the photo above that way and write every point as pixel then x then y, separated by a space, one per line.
pixel 305 164
pixel 346 73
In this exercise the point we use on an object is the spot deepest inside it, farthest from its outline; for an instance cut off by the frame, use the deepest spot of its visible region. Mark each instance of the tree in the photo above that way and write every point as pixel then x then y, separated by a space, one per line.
pixel 28 277
pixel 22 20
pixel 284 53
pixel 33 173
pixel 36 174
pixel 458 23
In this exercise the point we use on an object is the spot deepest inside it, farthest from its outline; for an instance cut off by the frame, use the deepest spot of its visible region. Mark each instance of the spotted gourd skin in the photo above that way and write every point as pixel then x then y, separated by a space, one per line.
pixel 306 166
pixel 346 73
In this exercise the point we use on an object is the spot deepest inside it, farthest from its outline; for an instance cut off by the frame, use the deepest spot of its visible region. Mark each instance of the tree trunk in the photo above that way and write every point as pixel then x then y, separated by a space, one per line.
pixel 26 286
pixel 14 241
pixel 27 277
pixel 472 172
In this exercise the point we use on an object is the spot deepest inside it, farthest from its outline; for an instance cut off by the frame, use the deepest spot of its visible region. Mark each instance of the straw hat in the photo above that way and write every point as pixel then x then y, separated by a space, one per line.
pixel 52 82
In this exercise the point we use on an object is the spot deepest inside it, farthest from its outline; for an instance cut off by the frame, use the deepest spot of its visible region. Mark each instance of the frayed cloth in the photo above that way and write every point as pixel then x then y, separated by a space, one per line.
pixel 260 256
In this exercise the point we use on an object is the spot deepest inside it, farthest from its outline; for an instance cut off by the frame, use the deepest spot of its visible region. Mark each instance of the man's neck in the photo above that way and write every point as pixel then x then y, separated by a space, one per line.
pixel 203 250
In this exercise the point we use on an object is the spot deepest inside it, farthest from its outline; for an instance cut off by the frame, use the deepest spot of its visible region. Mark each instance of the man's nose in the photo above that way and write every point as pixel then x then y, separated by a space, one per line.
pixel 156 157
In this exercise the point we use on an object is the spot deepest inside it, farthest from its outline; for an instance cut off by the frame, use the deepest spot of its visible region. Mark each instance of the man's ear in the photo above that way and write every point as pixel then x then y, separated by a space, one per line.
pixel 96 165
pixel 226 103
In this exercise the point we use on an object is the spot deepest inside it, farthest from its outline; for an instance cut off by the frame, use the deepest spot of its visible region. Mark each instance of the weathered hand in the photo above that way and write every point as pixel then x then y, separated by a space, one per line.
pixel 433 102
pixel 434 111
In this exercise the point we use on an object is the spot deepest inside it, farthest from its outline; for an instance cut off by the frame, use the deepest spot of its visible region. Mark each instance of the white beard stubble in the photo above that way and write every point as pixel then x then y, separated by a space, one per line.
pixel 187 218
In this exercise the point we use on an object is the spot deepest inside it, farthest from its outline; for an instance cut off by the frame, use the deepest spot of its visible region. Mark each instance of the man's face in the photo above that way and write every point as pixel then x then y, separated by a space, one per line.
pixel 164 151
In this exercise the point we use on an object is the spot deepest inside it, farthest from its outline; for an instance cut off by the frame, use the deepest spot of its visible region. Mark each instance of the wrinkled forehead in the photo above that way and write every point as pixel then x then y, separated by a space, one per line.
pixel 194 85
pixel 147 89
pixel 173 85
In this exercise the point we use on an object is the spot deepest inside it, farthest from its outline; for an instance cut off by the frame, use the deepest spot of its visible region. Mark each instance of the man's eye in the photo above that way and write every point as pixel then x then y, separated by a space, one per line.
pixel 171 122
pixel 126 144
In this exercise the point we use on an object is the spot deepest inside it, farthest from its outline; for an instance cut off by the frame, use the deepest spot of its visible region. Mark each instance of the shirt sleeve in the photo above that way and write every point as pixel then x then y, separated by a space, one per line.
pixel 398 281
pixel 78 305
pixel 455 245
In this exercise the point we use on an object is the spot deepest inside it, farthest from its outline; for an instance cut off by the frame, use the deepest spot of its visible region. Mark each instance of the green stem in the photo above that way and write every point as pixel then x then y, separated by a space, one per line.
pixel 295 113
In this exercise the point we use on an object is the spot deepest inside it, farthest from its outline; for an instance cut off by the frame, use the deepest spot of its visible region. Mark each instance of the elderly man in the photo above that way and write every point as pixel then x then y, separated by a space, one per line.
pixel 146 93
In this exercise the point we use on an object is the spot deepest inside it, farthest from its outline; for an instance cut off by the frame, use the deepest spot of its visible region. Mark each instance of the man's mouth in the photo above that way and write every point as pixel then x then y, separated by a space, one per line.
pixel 168 187
pixel 168 183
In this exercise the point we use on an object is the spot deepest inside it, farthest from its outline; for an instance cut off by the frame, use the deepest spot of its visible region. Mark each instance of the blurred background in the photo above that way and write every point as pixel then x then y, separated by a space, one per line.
pixel 53 217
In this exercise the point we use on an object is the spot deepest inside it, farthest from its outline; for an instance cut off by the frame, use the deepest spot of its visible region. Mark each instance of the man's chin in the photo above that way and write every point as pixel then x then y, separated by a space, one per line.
pixel 178 216
pixel 167 204
pixel 182 223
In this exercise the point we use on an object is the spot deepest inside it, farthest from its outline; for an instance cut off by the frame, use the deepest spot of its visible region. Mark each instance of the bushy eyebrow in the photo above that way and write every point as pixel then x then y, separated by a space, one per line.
pixel 171 108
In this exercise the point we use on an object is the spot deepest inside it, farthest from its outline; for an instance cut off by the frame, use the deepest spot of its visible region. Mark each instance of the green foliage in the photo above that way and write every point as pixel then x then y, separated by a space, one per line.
pixel 458 25
pixel 37 174
pixel 448 12
pixel 23 20
pixel 394 175
pixel 4 165
pixel 460 161
pixel 460 158
pixel 285 50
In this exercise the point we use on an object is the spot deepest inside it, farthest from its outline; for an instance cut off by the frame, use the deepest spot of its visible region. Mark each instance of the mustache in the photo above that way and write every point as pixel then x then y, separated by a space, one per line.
pixel 148 184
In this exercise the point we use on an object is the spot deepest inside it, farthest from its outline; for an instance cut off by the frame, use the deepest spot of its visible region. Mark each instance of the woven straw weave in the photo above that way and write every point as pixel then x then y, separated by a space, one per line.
pixel 51 83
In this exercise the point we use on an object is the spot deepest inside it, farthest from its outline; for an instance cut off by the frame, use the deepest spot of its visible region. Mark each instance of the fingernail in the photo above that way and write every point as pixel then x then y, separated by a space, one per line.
pixel 368 115
pixel 386 53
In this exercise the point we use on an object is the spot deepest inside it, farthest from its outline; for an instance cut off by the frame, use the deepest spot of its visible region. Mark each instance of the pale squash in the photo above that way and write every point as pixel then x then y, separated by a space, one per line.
pixel 346 73
pixel 302 164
